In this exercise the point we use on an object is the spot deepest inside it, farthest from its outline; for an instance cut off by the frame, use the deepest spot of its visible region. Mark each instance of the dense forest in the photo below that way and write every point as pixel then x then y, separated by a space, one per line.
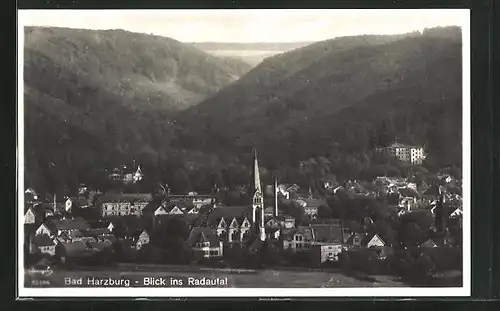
pixel 347 95
pixel 97 99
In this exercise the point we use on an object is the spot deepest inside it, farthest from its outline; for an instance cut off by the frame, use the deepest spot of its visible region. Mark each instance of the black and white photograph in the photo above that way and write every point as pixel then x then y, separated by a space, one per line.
pixel 244 153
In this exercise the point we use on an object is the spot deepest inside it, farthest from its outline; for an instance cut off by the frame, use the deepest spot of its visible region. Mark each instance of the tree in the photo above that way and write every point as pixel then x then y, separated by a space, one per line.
pixel 414 228
pixel 324 212
pixel 294 209
pixel 335 206
pixel 180 182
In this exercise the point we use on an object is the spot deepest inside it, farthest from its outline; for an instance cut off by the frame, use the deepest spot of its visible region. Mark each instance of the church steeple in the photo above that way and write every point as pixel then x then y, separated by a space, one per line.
pixel 256 186
pixel 257 196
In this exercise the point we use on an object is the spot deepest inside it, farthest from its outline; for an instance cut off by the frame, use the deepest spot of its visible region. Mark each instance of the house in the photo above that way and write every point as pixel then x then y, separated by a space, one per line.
pixel 109 239
pixel 322 252
pixel 110 227
pixel 330 182
pixel 432 193
pixel 116 174
pixel 195 200
pixel 76 202
pixel 408 192
pixel 127 227
pixel 50 209
pixel 55 227
pixel 205 243
pixel 283 192
pixel 269 211
pixel 97 246
pixel 331 233
pixel 30 217
pixel 297 239
pixel 142 239
pixel 126 174
pixel 44 229
pixel 366 240
pixel 124 204
pixel 429 244
pixel 43 244
pixel 408 203
pixel 90 235
pixel 411 154
pixel 311 205
pixel 285 221
pixel 77 251
pixel 273 234
pixel 270 222
pixel 287 191
pixel 30 196
pixel 457 213
pixel 446 178
pixel 232 222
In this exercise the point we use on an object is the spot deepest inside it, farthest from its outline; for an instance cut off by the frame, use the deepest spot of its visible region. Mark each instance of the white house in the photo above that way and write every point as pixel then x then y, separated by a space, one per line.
pixel 204 243
pixel 412 154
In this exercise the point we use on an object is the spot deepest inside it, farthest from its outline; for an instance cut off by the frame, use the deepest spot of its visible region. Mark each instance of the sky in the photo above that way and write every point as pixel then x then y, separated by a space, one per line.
pixel 249 25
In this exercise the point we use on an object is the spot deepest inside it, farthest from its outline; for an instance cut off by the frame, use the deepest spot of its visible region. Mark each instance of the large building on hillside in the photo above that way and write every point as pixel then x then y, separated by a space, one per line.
pixel 411 154
pixel 124 204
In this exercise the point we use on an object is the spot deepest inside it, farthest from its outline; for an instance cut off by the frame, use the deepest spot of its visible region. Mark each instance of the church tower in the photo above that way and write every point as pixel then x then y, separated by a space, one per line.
pixel 257 199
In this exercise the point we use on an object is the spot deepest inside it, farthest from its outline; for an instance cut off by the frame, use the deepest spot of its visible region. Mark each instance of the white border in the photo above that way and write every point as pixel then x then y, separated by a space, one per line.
pixel 464 291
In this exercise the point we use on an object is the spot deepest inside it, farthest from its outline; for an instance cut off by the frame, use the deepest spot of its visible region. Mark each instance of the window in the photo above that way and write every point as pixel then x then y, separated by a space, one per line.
pixel 214 253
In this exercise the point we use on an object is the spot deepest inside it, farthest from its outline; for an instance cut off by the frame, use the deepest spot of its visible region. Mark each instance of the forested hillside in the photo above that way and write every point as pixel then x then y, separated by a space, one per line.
pixel 342 96
pixel 95 98
pixel 98 99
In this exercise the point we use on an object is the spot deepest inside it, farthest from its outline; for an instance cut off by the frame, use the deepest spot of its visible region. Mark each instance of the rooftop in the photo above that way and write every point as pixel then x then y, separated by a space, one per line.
pixel 202 234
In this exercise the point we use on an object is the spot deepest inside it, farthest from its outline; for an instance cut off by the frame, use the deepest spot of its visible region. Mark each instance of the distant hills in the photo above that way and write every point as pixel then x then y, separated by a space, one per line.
pixel 252 53
pixel 352 93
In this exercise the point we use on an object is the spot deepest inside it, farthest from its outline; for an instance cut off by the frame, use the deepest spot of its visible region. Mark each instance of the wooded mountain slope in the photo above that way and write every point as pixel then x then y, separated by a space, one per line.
pixel 93 96
pixel 346 95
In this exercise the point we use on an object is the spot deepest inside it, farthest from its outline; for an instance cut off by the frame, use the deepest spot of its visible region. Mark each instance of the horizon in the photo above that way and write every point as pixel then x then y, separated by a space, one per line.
pixel 249 26
pixel 243 42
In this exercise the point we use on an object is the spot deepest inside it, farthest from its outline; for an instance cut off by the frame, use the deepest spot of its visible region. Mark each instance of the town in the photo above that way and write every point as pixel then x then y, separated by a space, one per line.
pixel 394 225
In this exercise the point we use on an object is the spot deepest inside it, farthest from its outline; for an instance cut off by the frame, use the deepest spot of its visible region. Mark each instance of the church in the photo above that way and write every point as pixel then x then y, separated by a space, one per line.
pixel 240 225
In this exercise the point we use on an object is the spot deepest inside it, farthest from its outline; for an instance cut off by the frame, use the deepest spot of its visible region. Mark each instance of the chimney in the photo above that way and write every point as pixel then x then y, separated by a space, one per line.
pixel 276 196
pixel 262 216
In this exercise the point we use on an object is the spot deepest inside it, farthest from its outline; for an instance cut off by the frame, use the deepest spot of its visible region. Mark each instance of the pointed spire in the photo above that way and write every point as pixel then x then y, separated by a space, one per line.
pixel 256 174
